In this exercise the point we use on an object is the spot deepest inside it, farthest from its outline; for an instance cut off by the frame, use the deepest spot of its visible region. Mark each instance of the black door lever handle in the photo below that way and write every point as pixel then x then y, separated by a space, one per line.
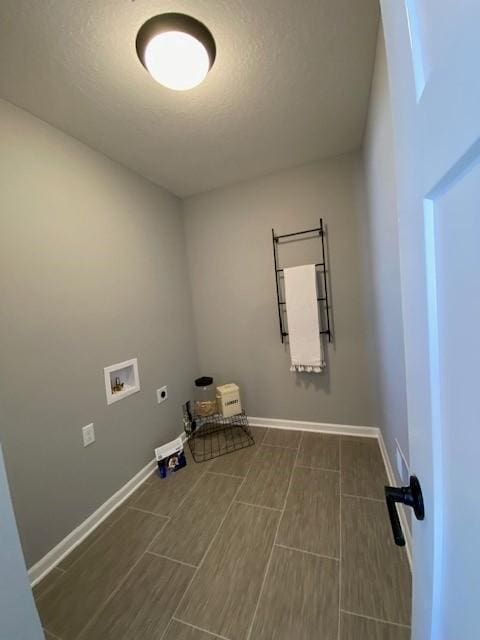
pixel 410 496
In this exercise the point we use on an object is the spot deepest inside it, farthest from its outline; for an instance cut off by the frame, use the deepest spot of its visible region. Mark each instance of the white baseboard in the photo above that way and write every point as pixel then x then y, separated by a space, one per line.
pixel 75 537
pixel 320 427
pixel 400 508
pixel 345 430
pixel 39 570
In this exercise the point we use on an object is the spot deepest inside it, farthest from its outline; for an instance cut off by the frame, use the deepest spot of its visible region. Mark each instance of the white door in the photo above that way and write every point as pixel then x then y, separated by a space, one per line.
pixel 18 616
pixel 433 52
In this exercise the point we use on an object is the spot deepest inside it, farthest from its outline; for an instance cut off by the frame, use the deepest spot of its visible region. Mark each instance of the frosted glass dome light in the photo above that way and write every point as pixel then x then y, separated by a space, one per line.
pixel 177 60
pixel 177 50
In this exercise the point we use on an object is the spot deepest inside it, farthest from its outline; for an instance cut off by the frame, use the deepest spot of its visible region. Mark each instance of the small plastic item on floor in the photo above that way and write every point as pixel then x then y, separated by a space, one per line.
pixel 228 400
pixel 170 457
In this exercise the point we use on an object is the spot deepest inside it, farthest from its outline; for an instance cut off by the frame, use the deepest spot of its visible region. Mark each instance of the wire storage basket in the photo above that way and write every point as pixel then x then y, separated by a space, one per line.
pixel 213 436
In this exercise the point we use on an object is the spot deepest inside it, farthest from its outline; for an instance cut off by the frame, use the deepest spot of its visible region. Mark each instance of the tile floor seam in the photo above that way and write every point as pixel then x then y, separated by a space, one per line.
pixel 114 592
pixel 352 495
pixel 177 608
pixel 307 466
pixel 340 540
pixel 188 492
pixel 160 555
pixel 193 626
pixel 92 621
pixel 39 596
pixel 170 517
pixel 277 446
pixel 228 475
pixel 376 578
pixel 269 561
pixel 257 506
pixel 361 615
pixel 309 553
pixel 100 537
pixel 254 456
pixel 150 513
pixel 168 521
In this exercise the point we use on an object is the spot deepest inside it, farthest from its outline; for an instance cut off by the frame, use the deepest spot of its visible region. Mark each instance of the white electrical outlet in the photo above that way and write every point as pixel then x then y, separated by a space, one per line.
pixel 88 433
pixel 162 394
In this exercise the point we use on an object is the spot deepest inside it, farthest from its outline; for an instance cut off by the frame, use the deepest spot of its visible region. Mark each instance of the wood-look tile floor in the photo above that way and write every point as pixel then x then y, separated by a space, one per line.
pixel 288 539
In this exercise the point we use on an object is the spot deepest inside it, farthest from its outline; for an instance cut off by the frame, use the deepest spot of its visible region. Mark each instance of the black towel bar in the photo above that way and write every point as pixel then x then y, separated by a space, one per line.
pixel 320 230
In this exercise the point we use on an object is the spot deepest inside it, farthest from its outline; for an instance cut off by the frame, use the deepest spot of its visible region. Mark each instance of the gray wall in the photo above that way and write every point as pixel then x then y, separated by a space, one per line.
pixel 93 272
pixel 231 269
pixel 384 260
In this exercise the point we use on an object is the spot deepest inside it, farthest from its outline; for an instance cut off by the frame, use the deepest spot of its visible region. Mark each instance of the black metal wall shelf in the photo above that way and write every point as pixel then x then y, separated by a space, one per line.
pixel 322 266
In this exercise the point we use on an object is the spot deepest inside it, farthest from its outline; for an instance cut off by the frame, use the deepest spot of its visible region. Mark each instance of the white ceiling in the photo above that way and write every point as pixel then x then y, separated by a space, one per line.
pixel 290 83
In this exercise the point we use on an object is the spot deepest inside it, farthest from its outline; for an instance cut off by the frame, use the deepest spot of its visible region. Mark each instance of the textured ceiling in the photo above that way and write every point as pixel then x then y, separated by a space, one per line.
pixel 290 83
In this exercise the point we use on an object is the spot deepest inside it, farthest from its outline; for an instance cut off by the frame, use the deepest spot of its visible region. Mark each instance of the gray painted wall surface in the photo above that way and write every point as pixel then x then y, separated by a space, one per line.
pixel 18 616
pixel 231 270
pixel 384 260
pixel 93 272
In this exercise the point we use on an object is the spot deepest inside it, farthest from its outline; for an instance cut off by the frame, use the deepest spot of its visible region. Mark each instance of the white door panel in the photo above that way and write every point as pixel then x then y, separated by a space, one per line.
pixel 457 231
pixel 433 50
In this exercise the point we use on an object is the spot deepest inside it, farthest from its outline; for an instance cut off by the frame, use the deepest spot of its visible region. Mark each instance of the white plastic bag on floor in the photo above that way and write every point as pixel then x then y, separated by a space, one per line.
pixel 170 457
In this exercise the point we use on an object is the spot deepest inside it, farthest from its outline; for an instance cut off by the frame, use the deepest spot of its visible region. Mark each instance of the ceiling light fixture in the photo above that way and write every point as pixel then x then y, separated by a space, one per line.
pixel 177 50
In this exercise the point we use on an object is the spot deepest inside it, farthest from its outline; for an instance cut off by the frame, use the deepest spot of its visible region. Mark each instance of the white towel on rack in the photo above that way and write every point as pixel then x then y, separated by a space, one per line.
pixel 306 349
